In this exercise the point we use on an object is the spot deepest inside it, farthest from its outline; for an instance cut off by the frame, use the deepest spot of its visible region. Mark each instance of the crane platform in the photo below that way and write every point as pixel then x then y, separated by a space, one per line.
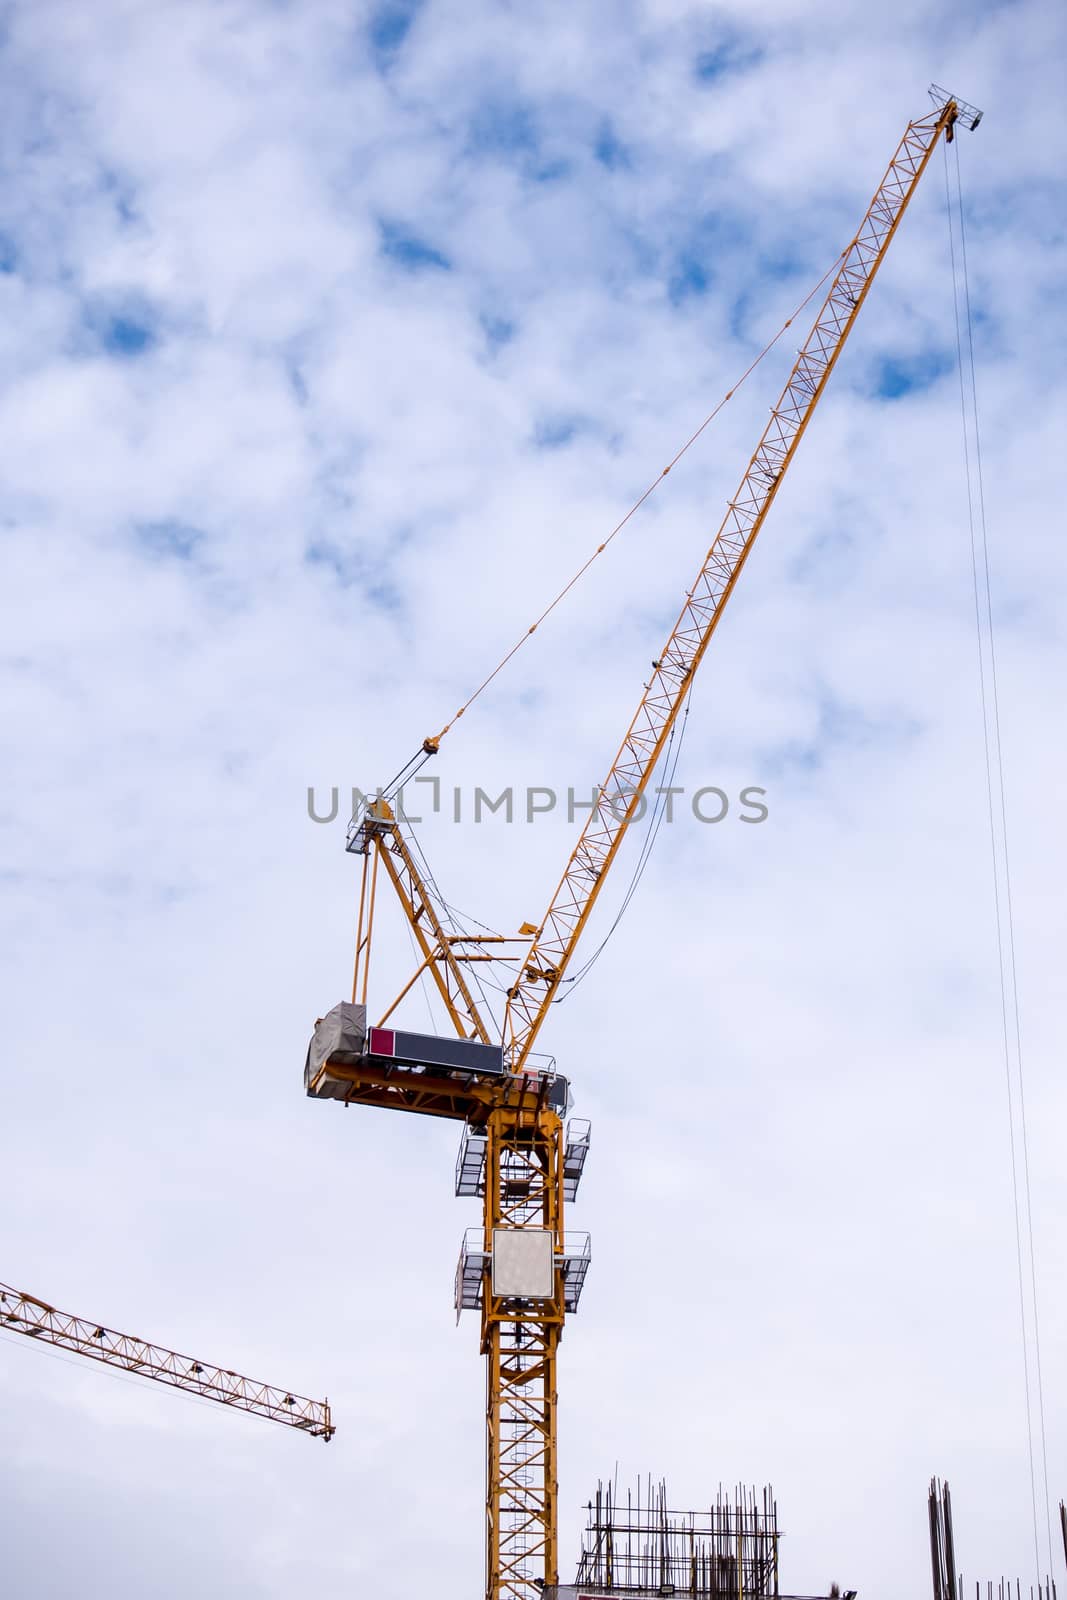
pixel 475 1262
pixel 461 1079
pixel 471 1161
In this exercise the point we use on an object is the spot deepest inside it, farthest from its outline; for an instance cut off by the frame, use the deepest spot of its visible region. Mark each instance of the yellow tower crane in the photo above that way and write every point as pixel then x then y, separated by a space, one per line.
pixel 520 1269
pixel 24 1313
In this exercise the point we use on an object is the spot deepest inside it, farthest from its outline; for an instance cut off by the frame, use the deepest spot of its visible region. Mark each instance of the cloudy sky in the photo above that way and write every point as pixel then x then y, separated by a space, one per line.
pixel 335 336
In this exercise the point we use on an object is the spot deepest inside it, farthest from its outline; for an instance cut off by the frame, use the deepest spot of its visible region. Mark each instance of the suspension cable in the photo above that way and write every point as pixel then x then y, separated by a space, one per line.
pixel 431 744
pixel 450 920
pixel 989 696
pixel 651 834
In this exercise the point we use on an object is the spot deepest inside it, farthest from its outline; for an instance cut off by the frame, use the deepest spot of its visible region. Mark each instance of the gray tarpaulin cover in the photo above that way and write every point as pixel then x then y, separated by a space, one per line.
pixel 338 1036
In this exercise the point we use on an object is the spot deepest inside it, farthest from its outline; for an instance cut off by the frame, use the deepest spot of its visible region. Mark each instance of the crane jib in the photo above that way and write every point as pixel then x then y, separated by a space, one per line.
pixel 547 957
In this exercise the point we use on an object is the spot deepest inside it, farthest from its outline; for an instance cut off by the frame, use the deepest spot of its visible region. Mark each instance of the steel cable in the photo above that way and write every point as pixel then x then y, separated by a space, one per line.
pixel 431 744
pixel 989 697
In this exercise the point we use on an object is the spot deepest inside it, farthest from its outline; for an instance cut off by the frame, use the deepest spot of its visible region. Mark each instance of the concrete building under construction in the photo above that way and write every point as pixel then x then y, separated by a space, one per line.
pixel 640 1547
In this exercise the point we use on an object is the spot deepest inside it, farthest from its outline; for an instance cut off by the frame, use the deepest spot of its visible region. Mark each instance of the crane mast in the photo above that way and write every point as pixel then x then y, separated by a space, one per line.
pixel 521 1270
pixel 24 1313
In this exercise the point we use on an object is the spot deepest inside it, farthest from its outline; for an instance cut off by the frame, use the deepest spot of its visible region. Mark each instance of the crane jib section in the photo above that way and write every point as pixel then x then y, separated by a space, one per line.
pixel 22 1313
pixel 619 797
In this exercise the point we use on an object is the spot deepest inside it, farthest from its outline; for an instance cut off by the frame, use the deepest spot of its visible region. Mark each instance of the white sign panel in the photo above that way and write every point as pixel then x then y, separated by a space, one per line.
pixel 522 1263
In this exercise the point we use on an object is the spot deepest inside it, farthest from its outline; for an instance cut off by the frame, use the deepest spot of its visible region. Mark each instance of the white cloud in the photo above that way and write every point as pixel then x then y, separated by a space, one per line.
pixel 804 1259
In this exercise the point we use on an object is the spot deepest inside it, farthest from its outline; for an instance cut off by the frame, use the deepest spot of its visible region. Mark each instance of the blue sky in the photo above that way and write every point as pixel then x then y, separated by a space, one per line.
pixel 334 339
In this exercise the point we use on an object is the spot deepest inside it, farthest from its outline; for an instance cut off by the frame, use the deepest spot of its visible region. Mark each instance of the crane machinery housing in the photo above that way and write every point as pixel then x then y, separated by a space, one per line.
pixel 521 1270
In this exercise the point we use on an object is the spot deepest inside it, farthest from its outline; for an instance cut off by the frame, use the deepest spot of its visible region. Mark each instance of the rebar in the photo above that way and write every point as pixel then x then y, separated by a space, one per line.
pixel 728 1551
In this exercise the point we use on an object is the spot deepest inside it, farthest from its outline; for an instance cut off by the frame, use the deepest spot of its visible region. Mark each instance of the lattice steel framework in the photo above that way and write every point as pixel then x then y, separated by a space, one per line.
pixel 620 794
pixel 379 839
pixel 23 1313
pixel 523 1189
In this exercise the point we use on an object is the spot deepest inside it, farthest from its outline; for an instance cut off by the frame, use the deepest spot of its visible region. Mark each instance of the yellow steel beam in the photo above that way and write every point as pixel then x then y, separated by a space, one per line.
pixel 520 1339
pixel 23 1313
pixel 620 795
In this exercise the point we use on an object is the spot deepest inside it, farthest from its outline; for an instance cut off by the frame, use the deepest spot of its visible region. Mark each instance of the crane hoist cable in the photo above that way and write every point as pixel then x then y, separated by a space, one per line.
pixel 1007 972
pixel 655 821
pixel 431 744
pixel 539 971
pixel 483 980
pixel 456 923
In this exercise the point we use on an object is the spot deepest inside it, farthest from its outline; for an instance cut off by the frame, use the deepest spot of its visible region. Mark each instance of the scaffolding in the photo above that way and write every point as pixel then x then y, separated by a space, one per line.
pixel 641 1547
